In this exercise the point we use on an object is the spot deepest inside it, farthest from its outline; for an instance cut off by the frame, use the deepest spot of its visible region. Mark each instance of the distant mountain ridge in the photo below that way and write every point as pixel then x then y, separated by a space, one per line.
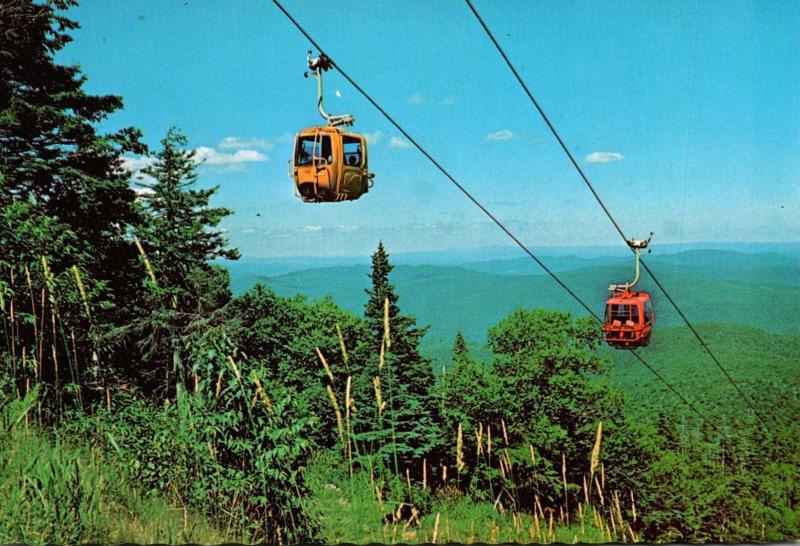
pixel 274 266
pixel 769 268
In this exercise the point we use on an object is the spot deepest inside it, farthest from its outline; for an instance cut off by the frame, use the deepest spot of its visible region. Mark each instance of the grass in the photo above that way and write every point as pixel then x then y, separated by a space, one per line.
pixel 54 491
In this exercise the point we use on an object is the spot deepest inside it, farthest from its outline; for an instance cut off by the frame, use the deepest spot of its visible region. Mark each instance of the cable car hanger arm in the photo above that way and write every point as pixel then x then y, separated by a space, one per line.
pixel 320 65
pixel 637 247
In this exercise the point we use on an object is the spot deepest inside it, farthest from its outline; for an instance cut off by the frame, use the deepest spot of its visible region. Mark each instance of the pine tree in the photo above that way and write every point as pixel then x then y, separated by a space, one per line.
pixel 408 376
pixel 381 290
pixel 460 349
pixel 180 231
pixel 412 370
pixel 179 237
pixel 50 153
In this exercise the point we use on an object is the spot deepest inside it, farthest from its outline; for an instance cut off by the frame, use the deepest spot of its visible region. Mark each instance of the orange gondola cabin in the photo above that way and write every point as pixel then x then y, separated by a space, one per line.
pixel 330 165
pixel 629 319
pixel 629 314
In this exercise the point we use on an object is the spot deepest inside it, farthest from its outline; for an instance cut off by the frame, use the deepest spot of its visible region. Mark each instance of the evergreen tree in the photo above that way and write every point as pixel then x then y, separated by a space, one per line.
pixel 381 290
pixel 411 370
pixel 60 178
pixel 50 153
pixel 180 232
pixel 460 349
pixel 179 238
pixel 407 376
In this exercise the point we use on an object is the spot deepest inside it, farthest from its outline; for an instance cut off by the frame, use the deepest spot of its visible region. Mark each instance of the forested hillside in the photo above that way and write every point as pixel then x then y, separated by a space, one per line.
pixel 146 397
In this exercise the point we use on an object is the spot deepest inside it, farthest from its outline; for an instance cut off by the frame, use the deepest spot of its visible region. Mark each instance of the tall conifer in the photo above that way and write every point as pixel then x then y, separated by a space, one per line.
pixel 460 349
pixel 50 152
pixel 408 375
pixel 180 236
pixel 181 229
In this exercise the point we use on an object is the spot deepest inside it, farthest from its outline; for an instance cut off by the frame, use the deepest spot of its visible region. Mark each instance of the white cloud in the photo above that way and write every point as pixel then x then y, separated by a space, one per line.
pixel 416 98
pixel 450 99
pixel 136 164
pixel 603 157
pixel 338 93
pixel 239 142
pixel 503 134
pixel 347 229
pixel 143 192
pixel 397 142
pixel 312 229
pixel 213 157
pixel 204 154
pixel 373 137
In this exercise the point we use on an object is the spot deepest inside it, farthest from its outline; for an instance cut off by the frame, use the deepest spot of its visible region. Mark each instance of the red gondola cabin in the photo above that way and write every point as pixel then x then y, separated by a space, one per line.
pixel 629 319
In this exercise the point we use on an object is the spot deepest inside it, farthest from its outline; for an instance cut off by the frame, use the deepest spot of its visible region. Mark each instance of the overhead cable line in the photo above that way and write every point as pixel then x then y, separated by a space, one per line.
pixel 608 212
pixel 480 205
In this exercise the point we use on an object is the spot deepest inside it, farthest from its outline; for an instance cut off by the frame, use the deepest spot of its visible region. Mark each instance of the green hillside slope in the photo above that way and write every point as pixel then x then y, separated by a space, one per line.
pixel 763 364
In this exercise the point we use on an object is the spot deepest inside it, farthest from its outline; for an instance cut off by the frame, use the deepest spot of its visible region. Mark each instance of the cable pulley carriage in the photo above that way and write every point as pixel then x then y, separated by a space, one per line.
pixel 329 164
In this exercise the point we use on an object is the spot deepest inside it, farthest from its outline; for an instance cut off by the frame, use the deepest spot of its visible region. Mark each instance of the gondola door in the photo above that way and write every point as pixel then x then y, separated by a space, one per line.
pixel 314 167
pixel 355 178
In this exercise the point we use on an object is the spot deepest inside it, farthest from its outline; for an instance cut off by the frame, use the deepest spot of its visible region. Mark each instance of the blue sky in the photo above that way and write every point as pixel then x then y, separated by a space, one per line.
pixel 693 108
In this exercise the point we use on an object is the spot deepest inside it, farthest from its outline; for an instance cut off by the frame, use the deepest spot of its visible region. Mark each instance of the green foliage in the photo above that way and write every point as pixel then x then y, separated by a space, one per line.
pixel 471 394
pixel 48 319
pixel 349 512
pixel 720 489
pixel 64 198
pixel 460 349
pixel 223 449
pixel 282 335
pixel 762 363
pixel 553 386
pixel 180 230
pixel 50 153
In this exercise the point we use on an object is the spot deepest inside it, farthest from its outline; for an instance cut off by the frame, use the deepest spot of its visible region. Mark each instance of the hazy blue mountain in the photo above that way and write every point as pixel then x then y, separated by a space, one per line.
pixel 498 259
pixel 525 266
pixel 772 267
